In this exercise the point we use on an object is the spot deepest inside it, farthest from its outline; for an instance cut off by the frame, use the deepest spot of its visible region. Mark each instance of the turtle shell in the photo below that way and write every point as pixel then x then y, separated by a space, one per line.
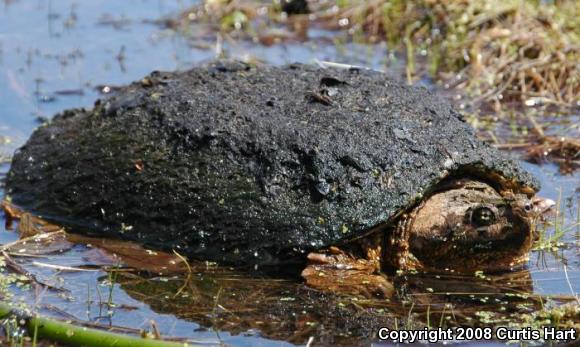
pixel 250 165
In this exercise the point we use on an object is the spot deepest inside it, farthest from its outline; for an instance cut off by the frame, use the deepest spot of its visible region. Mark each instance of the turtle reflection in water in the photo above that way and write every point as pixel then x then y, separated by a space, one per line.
pixel 224 300
pixel 343 173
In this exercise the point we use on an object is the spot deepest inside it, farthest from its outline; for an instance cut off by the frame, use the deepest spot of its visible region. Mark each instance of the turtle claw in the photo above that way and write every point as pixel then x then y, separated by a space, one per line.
pixel 399 243
pixel 340 272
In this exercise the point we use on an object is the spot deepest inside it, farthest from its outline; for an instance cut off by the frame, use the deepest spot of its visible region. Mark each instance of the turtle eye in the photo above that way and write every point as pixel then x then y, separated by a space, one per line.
pixel 482 216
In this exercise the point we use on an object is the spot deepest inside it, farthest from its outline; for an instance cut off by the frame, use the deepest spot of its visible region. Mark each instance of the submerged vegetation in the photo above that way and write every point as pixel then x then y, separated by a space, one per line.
pixel 552 231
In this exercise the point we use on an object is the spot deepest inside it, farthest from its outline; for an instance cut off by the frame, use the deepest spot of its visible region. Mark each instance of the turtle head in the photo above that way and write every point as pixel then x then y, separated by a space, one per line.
pixel 467 225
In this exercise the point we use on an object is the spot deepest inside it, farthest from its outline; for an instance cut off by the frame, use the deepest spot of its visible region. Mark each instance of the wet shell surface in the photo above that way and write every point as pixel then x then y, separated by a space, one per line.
pixel 245 165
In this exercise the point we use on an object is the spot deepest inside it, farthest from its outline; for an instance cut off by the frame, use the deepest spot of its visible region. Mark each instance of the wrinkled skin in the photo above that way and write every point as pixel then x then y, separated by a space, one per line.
pixel 463 226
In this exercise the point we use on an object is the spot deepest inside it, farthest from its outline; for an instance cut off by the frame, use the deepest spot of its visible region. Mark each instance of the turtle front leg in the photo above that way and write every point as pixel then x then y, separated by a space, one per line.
pixel 398 255
pixel 339 272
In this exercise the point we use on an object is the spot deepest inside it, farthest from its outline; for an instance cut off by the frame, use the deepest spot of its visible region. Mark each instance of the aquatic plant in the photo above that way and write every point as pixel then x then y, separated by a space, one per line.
pixel 497 50
pixel 20 322
pixel 501 51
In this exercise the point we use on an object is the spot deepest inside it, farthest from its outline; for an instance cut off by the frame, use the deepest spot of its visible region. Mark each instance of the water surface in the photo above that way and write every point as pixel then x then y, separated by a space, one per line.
pixel 56 55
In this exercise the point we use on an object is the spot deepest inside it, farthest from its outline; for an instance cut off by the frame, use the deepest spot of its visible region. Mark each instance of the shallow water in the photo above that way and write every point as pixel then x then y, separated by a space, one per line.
pixel 56 55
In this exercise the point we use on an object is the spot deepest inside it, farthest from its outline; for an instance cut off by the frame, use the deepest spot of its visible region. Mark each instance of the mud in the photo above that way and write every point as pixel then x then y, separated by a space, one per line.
pixel 250 165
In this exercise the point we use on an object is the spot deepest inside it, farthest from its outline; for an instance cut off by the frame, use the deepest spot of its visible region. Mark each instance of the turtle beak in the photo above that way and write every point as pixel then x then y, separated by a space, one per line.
pixel 542 205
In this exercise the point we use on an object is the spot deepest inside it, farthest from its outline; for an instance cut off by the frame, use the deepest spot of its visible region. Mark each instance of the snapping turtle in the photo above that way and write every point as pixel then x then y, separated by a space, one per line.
pixel 273 165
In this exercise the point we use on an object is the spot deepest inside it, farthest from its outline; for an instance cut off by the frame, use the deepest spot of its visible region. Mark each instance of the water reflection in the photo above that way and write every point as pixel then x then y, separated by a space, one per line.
pixel 286 310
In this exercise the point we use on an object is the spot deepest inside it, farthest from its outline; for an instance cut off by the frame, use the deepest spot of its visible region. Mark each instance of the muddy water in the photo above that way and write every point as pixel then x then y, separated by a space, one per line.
pixel 56 55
